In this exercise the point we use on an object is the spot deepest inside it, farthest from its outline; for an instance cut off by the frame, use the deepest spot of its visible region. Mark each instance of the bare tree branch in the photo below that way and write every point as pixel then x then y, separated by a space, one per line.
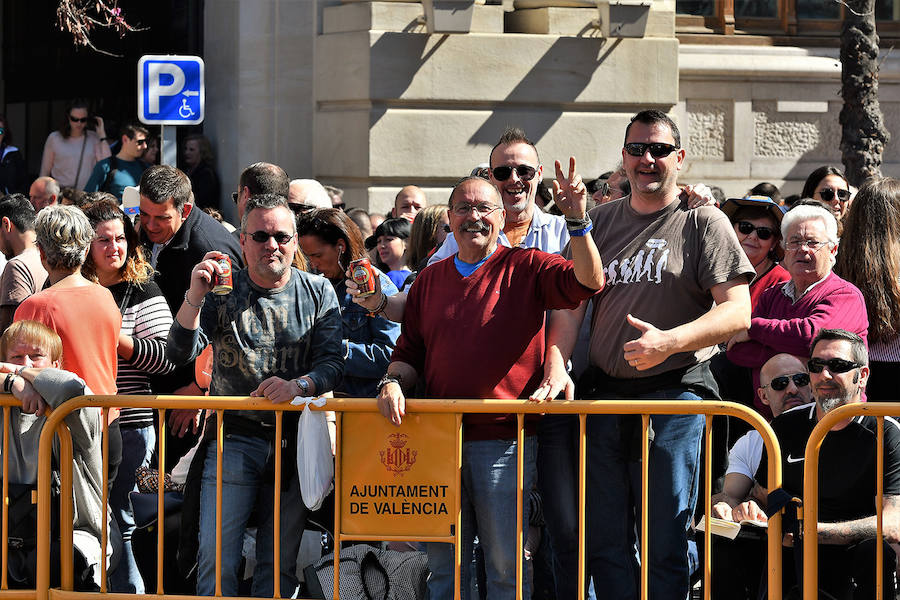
pixel 81 17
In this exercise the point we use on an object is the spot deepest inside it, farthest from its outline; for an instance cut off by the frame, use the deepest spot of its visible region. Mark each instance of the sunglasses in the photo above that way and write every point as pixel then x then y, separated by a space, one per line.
pixel 525 172
pixel 77 120
pixel 657 150
pixel 281 238
pixel 2 130
pixel 780 383
pixel 828 194
pixel 835 365
pixel 140 142
pixel 763 233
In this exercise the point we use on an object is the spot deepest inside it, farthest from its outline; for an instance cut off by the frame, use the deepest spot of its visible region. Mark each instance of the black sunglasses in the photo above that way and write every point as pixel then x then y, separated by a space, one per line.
pixel 525 172
pixel 835 365
pixel 763 233
pixel 780 383
pixel 657 150
pixel 261 237
pixel 828 194
pixel 77 120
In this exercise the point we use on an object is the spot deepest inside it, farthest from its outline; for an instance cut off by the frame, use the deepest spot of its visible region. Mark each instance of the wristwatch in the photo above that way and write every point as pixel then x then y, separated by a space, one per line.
pixel 303 385
pixel 389 379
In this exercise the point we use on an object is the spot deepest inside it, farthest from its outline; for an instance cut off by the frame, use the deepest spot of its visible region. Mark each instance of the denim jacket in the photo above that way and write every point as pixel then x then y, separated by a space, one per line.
pixel 368 343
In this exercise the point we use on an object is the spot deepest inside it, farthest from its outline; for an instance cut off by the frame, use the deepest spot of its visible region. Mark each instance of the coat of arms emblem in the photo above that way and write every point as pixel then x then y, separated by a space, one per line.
pixel 397 458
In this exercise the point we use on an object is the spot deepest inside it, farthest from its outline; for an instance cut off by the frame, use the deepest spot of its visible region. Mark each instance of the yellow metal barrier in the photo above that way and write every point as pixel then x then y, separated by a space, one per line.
pixel 879 410
pixel 220 404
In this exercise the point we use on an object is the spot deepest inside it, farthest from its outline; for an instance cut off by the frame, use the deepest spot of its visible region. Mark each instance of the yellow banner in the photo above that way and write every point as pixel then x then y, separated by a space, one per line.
pixel 398 480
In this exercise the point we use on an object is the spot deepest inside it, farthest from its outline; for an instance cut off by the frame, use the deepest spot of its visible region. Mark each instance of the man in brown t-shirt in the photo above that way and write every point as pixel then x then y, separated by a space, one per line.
pixel 23 275
pixel 677 285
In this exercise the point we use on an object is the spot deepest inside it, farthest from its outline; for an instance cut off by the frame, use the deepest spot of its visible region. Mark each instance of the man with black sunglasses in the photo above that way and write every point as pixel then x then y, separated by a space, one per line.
pixel 738 564
pixel 677 286
pixel 838 371
pixel 277 334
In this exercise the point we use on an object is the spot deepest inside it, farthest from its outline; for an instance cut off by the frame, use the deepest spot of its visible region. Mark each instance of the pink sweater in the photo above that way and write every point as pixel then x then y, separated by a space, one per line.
pixel 778 325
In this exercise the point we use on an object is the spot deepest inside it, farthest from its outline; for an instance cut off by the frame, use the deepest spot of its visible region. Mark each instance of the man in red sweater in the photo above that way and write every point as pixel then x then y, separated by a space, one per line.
pixel 474 328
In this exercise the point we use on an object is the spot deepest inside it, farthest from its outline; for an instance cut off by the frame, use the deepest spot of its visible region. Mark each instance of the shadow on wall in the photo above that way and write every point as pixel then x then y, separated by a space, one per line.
pixel 555 81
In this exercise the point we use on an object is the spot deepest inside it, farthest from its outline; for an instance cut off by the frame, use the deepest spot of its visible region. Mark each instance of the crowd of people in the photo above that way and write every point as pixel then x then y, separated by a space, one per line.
pixel 790 306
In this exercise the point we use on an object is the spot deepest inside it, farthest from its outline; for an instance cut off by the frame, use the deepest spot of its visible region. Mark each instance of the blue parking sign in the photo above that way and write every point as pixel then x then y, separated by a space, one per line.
pixel 170 90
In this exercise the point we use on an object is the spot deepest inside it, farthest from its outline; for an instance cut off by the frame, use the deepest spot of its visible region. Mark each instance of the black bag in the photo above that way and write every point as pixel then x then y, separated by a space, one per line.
pixel 22 548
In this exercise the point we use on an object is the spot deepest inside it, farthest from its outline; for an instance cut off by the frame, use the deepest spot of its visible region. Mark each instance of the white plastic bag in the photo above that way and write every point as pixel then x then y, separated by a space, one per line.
pixel 315 463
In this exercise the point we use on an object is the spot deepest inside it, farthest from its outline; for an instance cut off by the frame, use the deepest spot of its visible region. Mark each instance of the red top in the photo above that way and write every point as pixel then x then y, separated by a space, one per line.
pixel 88 321
pixel 482 336
pixel 775 275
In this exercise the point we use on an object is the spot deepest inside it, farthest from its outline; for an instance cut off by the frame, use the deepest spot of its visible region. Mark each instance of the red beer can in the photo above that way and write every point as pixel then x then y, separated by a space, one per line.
pixel 223 280
pixel 363 274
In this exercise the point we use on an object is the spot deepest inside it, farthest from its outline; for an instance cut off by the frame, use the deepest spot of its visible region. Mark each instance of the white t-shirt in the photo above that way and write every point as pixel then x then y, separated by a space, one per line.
pixel 745 455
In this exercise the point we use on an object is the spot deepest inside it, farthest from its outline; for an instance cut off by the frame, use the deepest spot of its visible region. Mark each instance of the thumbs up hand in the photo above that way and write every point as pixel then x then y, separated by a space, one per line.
pixel 651 348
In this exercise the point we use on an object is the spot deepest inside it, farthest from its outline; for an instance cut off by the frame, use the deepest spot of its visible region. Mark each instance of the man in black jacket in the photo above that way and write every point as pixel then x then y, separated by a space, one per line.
pixel 176 237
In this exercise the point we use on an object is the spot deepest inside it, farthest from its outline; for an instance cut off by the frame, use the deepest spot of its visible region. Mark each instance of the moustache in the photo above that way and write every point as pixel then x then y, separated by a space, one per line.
pixel 478 226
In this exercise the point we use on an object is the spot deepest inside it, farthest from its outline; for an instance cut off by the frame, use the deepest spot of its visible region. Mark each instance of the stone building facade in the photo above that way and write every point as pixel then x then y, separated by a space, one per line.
pixel 358 94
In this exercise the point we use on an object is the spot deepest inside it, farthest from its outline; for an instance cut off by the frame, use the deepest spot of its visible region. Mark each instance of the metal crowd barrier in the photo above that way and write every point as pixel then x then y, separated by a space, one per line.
pixel 879 410
pixel 220 404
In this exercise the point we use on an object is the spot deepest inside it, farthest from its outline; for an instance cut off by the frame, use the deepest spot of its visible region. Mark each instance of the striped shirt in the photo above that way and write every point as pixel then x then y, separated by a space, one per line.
pixel 147 319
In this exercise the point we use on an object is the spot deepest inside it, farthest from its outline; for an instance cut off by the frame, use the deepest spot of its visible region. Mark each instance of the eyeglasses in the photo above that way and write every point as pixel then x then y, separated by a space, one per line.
pixel 828 195
pixel 234 196
pixel 657 150
pixel 281 238
pixel 780 383
pixel 77 120
pixel 811 245
pixel 835 365
pixel 525 172
pixel 463 209
pixel 763 233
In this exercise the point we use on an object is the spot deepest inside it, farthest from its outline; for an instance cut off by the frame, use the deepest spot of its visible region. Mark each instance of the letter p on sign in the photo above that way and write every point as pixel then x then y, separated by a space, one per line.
pixel 171 90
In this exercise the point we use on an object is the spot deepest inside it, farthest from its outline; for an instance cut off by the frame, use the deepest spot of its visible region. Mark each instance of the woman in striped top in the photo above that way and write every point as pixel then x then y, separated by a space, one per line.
pixel 117 262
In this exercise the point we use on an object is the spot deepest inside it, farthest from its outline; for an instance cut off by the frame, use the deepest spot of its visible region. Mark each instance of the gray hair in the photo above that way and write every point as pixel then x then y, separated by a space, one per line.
pixel 808 212
pixel 265 201
pixel 51 186
pixel 64 234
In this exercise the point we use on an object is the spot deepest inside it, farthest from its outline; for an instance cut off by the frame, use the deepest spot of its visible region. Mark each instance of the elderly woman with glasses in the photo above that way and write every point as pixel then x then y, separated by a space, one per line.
pixel 788 316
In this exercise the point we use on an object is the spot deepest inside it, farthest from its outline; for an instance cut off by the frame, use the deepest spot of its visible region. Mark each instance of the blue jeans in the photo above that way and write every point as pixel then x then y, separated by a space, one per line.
pixel 137 448
pixel 248 483
pixel 488 507
pixel 614 501
pixel 557 469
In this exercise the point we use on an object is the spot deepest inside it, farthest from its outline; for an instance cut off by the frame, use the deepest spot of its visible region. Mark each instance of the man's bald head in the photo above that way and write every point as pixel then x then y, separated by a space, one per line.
pixel 788 371
pixel 408 202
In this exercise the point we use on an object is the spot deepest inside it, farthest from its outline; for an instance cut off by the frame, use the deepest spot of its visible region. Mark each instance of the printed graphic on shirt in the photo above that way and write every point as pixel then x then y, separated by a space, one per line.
pixel 646 265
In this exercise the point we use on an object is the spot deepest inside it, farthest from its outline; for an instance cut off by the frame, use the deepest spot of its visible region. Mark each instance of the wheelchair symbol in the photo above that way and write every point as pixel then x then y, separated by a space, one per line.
pixel 184 110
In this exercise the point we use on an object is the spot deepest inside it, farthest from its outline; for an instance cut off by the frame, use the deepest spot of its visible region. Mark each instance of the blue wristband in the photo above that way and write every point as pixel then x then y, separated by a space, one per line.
pixel 581 232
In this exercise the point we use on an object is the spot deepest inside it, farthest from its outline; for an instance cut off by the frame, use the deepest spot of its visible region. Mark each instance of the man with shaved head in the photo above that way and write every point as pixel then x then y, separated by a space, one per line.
pixel 738 564
pixel 408 202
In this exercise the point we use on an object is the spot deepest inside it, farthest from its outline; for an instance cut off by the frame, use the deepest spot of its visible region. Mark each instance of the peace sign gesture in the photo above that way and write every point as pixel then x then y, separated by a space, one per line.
pixel 570 192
